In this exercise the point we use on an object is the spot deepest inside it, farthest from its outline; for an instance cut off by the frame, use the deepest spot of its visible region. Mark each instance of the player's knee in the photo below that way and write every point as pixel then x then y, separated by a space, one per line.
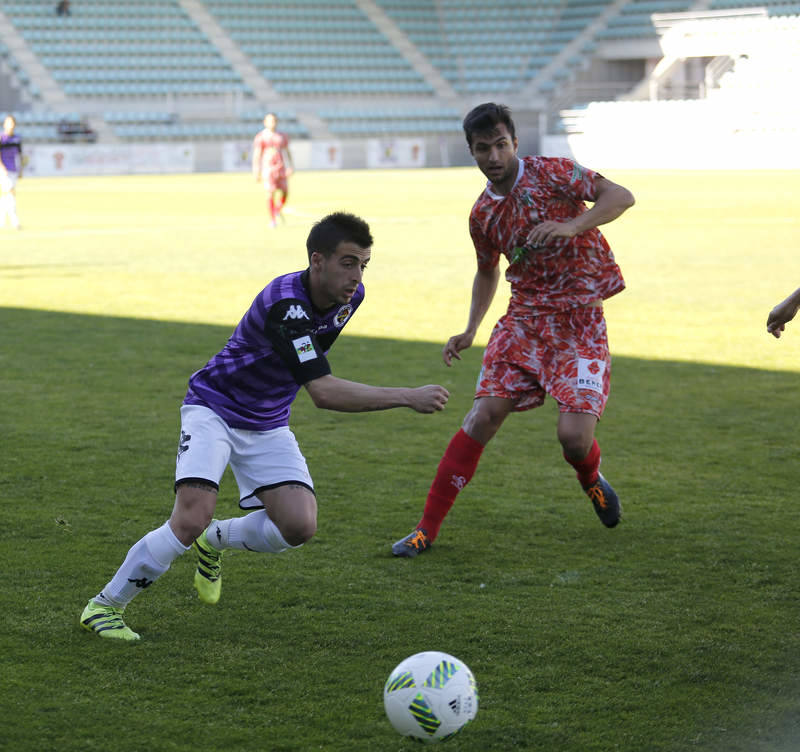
pixel 482 422
pixel 194 509
pixel 188 528
pixel 576 444
pixel 299 531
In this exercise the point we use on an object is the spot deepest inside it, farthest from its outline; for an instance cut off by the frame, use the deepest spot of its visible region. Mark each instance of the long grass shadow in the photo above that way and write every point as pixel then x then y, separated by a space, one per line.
pixel 675 622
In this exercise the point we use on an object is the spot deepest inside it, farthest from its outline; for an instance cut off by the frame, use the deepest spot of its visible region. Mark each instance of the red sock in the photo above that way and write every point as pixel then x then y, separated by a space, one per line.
pixel 588 468
pixel 271 204
pixel 455 470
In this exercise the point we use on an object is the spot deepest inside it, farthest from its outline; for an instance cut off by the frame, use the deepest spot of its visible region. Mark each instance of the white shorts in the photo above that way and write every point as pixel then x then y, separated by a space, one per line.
pixel 8 182
pixel 259 459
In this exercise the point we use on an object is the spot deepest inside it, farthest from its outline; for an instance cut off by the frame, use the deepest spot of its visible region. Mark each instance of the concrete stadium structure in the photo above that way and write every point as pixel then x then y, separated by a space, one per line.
pixel 185 84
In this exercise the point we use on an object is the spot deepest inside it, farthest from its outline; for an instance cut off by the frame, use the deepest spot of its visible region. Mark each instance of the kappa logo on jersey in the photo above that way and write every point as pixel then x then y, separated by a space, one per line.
pixel 304 348
pixel 295 312
pixel 342 315
pixel 590 374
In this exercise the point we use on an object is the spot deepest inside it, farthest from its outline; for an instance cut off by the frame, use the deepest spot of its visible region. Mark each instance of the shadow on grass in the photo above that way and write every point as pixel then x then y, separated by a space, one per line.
pixel 672 628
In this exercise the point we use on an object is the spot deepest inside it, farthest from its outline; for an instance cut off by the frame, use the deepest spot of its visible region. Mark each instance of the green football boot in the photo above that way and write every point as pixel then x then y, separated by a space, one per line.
pixel 106 622
pixel 208 576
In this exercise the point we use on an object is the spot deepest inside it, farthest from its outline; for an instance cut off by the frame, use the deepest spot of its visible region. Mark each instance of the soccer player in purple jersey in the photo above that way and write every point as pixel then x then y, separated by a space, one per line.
pixel 10 172
pixel 236 411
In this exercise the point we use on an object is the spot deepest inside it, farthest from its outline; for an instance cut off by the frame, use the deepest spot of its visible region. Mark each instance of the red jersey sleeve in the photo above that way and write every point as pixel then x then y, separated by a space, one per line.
pixel 488 255
pixel 570 179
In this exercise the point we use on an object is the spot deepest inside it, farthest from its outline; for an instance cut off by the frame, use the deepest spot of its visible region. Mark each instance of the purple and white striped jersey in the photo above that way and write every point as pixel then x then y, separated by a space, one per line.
pixel 279 345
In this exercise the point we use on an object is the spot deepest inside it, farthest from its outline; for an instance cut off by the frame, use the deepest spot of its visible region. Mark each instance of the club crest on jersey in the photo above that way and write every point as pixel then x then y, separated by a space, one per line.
pixel 295 312
pixel 304 348
pixel 342 315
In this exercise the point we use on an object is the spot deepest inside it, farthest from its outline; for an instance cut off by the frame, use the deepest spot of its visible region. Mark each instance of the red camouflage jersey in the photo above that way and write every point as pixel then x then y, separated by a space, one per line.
pixel 268 147
pixel 568 273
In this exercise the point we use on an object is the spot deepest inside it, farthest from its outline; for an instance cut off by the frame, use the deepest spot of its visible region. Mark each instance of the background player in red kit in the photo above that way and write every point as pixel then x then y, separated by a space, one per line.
pixel 272 164
pixel 552 340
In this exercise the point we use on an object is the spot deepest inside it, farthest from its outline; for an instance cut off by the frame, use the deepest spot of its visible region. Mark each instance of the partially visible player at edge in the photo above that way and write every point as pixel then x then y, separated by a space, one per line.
pixel 782 314
pixel 272 164
pixel 10 172
pixel 552 339
pixel 236 411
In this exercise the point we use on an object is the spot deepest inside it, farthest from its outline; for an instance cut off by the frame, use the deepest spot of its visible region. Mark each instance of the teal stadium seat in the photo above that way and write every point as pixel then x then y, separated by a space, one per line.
pixel 318 48
pixel 140 49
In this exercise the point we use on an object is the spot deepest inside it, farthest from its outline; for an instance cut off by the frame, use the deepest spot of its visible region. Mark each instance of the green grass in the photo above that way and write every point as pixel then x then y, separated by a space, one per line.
pixel 675 631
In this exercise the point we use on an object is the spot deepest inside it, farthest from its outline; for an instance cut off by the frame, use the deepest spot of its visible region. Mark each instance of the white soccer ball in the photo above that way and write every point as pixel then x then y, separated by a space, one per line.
pixel 430 696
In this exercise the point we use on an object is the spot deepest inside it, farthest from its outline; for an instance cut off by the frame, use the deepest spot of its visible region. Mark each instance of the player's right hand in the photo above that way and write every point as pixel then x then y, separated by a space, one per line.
pixel 781 315
pixel 429 398
pixel 454 346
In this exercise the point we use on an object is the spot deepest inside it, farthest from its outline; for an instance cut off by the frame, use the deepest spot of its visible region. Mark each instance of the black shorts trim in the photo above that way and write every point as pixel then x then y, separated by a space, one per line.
pixel 181 481
pixel 258 505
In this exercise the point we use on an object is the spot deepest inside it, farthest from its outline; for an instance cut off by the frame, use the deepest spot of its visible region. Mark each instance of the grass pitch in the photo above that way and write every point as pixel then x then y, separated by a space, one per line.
pixel 675 631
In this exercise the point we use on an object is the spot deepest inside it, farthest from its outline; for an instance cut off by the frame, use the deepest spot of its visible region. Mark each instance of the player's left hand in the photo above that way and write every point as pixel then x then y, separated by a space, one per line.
pixel 543 234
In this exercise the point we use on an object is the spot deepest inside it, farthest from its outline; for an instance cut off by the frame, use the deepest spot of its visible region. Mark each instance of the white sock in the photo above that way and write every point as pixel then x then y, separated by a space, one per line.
pixel 253 532
pixel 146 561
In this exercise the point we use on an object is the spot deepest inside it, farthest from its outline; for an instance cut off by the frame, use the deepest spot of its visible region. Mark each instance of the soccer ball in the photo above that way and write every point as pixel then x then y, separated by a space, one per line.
pixel 430 696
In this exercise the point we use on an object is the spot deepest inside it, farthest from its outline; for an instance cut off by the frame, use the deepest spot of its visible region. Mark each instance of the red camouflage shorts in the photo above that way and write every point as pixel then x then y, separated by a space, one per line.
pixel 276 181
pixel 563 354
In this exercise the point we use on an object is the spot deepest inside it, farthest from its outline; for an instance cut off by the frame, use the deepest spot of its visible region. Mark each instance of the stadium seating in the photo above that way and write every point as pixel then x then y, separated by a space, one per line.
pixel 45 126
pixel 19 74
pixel 635 18
pixel 396 121
pixel 142 66
pixel 317 47
pixel 150 48
pixel 478 50
pixel 773 7
pixel 164 126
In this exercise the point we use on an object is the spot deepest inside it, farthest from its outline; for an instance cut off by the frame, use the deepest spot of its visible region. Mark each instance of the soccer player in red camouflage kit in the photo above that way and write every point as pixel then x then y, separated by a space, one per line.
pixel 552 339
pixel 272 165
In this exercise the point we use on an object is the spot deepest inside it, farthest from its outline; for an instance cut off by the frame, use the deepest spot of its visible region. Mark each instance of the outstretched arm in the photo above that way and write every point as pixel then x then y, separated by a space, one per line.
pixel 782 313
pixel 484 287
pixel 332 393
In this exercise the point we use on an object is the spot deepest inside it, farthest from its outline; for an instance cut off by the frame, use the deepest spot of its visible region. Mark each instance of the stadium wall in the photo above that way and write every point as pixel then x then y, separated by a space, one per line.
pixel 643 150
pixel 225 156
pixel 401 151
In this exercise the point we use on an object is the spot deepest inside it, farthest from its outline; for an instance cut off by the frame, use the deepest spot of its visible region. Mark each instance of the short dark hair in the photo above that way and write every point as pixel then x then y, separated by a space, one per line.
pixel 486 117
pixel 326 234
